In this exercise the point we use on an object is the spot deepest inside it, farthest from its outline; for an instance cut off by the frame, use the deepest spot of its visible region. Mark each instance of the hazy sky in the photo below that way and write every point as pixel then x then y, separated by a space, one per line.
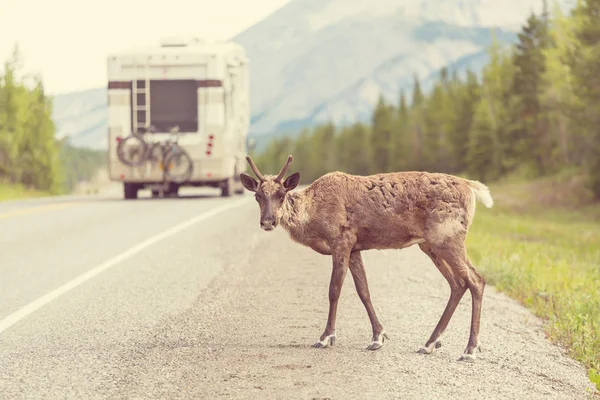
pixel 67 40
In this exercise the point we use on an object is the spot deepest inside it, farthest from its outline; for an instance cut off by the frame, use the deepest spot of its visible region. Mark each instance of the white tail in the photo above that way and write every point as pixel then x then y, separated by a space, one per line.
pixel 482 192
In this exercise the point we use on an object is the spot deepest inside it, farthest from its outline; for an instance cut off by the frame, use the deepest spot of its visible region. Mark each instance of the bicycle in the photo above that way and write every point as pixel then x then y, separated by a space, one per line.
pixel 135 150
pixel 132 151
pixel 168 154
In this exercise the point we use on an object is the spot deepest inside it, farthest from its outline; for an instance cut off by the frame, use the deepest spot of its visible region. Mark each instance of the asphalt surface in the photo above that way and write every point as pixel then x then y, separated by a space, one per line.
pixel 217 308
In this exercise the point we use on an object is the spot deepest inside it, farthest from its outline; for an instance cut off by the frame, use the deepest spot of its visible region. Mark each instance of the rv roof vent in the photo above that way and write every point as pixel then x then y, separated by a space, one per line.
pixel 174 42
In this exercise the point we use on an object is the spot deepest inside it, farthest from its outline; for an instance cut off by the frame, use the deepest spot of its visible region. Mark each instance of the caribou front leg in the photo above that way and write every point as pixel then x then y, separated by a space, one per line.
pixel 357 269
pixel 338 273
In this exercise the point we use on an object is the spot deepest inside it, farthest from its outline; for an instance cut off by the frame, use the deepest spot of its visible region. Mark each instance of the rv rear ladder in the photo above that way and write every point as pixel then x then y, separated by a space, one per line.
pixel 142 106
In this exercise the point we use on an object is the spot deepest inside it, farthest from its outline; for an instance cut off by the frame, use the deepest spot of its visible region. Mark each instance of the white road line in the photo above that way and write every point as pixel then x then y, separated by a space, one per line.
pixel 42 301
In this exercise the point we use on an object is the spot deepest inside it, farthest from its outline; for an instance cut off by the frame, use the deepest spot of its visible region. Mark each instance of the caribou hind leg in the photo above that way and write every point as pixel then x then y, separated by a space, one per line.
pixel 453 263
pixel 458 288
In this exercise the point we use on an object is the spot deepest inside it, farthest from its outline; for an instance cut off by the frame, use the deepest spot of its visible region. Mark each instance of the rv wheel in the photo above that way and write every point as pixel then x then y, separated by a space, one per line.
pixel 130 191
pixel 239 188
pixel 227 187
pixel 173 190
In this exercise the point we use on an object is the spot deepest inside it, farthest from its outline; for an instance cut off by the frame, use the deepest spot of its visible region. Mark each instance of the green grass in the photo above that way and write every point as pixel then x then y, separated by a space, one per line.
pixel 547 256
pixel 14 192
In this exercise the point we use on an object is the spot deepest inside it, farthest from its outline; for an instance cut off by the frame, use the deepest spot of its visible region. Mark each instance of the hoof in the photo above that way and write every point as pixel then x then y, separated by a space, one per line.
pixel 430 348
pixel 467 357
pixel 469 354
pixel 378 342
pixel 374 346
pixel 328 341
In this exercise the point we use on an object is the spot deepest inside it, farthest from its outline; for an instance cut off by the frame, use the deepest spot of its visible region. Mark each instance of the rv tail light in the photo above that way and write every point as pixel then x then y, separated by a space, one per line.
pixel 209 144
pixel 119 138
pixel 122 177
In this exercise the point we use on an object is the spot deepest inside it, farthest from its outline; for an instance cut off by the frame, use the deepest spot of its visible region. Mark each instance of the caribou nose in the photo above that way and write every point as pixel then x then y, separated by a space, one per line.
pixel 267 225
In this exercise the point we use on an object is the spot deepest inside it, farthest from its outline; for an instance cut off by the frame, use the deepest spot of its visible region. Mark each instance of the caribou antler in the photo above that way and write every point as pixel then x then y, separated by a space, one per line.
pixel 284 169
pixel 255 169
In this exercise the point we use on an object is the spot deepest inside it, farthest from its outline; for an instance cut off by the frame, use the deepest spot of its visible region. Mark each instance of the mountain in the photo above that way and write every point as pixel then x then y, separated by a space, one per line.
pixel 82 116
pixel 329 60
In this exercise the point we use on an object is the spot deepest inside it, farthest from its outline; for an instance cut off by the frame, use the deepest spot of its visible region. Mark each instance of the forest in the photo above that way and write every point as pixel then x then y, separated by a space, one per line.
pixel 30 156
pixel 534 111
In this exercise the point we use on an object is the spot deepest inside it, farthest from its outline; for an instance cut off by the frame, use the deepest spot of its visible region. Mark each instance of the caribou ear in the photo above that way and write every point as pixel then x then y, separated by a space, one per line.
pixel 291 181
pixel 249 182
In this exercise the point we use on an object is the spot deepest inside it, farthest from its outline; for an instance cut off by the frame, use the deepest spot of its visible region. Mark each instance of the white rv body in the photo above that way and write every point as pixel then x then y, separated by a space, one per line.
pixel 203 89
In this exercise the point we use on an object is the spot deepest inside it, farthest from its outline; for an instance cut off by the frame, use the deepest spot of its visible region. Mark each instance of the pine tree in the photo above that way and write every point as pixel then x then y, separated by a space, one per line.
pixel 401 158
pixel 439 111
pixel 417 125
pixel 467 98
pixel 38 149
pixel 533 144
pixel 302 155
pixel 12 132
pixel 489 136
pixel 4 136
pixel 559 96
pixel 482 145
pixel 326 148
pixel 587 80
pixel 382 125
pixel 360 153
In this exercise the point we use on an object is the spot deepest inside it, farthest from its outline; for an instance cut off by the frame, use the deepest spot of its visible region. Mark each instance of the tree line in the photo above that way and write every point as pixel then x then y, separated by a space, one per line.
pixel 534 110
pixel 29 153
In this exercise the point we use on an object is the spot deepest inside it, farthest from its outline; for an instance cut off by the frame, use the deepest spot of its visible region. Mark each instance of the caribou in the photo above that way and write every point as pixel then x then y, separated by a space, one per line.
pixel 341 215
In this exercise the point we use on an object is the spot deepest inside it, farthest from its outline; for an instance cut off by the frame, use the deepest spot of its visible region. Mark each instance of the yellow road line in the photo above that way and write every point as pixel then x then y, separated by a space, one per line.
pixel 34 210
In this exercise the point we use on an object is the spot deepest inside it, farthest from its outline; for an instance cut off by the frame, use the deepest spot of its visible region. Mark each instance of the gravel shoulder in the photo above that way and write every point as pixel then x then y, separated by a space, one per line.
pixel 249 335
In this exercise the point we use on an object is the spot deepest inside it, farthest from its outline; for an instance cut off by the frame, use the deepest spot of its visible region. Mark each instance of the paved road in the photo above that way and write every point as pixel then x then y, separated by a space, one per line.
pixel 106 299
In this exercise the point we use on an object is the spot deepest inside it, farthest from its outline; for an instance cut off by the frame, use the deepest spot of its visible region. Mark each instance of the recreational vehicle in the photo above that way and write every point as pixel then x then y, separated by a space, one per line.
pixel 183 103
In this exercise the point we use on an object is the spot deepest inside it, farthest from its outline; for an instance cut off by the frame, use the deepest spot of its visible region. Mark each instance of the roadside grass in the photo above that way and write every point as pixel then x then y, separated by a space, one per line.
pixel 540 244
pixel 10 191
pixel 93 186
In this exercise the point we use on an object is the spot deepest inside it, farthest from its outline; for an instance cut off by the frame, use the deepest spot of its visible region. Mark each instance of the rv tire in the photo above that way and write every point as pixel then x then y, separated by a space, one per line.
pixel 130 191
pixel 227 187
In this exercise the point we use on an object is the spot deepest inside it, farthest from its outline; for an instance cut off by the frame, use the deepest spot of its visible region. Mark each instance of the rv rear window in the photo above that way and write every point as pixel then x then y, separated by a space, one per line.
pixel 172 103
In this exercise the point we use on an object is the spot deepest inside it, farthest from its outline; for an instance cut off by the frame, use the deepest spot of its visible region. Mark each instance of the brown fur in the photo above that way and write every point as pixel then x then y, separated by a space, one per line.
pixel 341 215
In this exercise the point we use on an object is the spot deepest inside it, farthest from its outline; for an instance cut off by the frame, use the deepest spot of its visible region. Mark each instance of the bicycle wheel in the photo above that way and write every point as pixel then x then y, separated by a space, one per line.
pixel 132 150
pixel 155 154
pixel 178 165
